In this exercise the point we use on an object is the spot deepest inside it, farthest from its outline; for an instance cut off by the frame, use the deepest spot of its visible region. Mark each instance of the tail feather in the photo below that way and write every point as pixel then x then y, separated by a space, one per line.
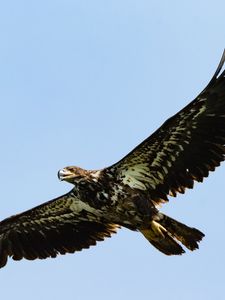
pixel 164 232
pixel 188 236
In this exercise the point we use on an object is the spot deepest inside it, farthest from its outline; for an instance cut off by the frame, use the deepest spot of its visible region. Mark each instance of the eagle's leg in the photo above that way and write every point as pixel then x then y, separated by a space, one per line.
pixel 154 230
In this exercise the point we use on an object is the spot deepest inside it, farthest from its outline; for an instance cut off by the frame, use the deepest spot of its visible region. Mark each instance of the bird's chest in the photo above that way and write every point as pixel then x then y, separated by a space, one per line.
pixel 98 195
pixel 130 207
pixel 117 203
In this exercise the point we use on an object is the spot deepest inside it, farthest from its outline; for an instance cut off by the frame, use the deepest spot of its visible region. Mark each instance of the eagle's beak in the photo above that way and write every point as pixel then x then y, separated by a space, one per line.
pixel 64 174
pixel 60 174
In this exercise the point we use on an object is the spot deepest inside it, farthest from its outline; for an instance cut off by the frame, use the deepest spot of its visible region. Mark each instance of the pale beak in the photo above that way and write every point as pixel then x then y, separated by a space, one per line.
pixel 63 173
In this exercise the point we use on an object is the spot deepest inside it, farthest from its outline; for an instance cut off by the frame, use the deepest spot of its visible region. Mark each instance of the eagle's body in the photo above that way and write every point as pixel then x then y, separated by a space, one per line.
pixel 183 150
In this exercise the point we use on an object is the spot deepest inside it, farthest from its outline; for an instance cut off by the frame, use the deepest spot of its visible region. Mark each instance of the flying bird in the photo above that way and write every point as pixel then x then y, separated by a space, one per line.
pixel 129 193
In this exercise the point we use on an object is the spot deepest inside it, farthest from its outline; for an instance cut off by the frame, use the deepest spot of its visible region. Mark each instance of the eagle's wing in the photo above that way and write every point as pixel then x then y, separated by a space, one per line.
pixel 61 225
pixel 185 148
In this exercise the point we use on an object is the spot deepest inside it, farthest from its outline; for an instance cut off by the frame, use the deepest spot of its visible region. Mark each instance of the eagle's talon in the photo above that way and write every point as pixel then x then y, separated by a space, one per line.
pixel 157 228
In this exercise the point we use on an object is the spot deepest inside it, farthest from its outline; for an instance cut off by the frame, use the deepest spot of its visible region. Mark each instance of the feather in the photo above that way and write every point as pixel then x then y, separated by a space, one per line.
pixel 188 145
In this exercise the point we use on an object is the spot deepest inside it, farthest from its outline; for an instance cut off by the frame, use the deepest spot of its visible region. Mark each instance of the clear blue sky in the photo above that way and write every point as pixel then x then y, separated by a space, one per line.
pixel 83 82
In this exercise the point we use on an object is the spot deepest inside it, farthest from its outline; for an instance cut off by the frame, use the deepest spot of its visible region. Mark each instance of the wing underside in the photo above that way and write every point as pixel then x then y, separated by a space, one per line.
pixel 183 150
pixel 48 230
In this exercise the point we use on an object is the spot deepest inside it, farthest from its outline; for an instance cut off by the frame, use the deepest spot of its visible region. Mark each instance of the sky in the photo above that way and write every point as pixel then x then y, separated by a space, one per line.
pixel 82 83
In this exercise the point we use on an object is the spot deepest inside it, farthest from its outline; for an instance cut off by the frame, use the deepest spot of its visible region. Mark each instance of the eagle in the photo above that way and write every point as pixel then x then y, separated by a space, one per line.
pixel 130 192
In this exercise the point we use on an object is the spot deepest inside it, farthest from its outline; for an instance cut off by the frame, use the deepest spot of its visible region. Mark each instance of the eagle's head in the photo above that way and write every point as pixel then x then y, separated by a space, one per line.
pixel 74 174
pixel 71 174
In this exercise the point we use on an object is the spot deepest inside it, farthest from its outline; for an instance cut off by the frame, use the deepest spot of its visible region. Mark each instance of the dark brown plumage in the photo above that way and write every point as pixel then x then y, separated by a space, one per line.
pixel 183 150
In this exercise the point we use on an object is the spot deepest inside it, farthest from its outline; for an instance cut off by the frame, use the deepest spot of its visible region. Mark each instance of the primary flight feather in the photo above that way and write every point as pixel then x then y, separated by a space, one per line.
pixel 183 150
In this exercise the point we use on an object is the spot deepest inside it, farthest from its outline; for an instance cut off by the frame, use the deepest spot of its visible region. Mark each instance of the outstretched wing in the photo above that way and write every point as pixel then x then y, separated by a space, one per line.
pixel 185 148
pixel 62 225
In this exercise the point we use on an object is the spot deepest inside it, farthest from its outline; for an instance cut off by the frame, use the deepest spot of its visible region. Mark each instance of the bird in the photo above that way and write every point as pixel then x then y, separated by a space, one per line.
pixel 130 192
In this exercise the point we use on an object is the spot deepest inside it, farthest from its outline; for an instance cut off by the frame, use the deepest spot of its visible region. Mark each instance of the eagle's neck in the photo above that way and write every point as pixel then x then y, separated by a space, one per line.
pixel 93 188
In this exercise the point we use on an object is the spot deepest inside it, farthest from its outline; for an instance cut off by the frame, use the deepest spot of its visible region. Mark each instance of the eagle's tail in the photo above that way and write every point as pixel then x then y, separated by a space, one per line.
pixel 164 232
